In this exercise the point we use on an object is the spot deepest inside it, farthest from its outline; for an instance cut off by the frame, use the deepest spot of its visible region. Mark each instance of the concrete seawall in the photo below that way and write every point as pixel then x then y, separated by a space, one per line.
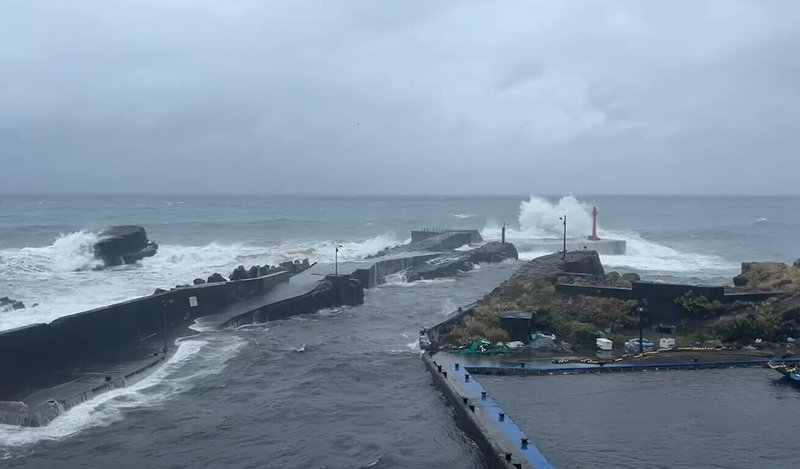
pixel 45 369
pixel 38 347
pixel 661 297
pixel 502 442
pixel 615 247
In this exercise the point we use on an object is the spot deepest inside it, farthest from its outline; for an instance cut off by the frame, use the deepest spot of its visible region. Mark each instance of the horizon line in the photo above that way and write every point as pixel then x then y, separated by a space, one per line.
pixel 350 195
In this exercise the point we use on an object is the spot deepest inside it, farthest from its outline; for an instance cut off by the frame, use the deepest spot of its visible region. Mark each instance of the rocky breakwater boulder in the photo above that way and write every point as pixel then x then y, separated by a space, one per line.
pixel 7 304
pixel 293 267
pixel 123 245
pixel 451 264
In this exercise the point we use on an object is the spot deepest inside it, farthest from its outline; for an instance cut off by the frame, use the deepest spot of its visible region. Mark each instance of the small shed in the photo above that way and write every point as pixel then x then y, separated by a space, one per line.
pixel 517 324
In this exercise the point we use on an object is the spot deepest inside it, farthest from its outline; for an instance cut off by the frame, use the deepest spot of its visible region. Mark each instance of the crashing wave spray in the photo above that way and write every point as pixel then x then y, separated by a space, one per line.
pixel 539 219
pixel 61 279
pixel 68 253
pixel 193 360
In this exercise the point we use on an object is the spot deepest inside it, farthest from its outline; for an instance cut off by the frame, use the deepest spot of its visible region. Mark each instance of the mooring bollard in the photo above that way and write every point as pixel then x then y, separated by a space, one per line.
pixel 508 456
pixel 456 366
pixel 501 416
pixel 522 364
pixel 524 443
pixel 464 399
pixel 466 378
pixel 439 367
pixel 483 395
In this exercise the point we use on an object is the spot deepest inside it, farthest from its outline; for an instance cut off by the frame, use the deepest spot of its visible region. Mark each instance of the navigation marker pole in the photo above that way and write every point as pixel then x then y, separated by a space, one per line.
pixel 564 252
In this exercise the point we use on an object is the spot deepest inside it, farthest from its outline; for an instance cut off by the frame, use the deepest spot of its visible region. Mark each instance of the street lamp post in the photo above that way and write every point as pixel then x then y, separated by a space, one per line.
pixel 564 252
pixel 336 259
pixel 641 310
pixel 164 308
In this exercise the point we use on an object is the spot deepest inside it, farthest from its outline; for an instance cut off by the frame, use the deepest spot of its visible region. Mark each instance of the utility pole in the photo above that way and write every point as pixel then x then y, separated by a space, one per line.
pixel 564 252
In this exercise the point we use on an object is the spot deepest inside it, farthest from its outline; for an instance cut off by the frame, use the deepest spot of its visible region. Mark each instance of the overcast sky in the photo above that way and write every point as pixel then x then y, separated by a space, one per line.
pixel 378 97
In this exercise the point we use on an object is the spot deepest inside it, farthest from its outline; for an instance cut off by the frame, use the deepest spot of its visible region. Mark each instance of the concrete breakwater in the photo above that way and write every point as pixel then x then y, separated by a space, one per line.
pixel 45 369
pixel 503 443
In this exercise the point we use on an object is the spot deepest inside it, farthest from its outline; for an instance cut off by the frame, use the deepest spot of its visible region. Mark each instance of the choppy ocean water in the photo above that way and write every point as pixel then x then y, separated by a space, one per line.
pixel 341 388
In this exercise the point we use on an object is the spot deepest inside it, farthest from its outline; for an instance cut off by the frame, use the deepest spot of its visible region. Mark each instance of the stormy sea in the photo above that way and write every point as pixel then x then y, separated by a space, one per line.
pixel 345 388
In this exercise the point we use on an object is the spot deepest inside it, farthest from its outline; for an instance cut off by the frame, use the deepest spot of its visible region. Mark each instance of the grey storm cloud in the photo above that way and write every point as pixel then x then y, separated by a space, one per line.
pixel 399 97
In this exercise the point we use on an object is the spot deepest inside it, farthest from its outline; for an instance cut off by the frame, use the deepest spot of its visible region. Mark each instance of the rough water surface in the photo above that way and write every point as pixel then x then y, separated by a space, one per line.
pixel 727 418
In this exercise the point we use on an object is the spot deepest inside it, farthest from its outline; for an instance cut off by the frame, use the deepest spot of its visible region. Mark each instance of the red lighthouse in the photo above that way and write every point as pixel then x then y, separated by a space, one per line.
pixel 593 236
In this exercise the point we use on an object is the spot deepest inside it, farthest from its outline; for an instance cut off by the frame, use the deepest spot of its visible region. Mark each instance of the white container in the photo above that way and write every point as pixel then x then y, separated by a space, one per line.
pixel 604 344
pixel 666 343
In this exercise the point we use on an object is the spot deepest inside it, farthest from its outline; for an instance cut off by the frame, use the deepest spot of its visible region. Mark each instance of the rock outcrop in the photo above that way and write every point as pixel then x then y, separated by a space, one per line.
pixel 768 276
pixel 493 252
pixel 7 304
pixel 575 262
pixel 123 245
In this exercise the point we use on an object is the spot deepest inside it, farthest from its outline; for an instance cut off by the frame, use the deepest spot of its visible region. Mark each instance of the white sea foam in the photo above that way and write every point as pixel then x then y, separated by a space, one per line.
pixel 68 253
pixel 464 216
pixel 59 277
pixel 539 219
pixel 398 279
pixel 194 360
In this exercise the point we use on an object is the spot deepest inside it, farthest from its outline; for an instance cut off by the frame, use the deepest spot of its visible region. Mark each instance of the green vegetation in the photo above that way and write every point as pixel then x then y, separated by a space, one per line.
pixel 699 307
pixel 579 320
pixel 575 320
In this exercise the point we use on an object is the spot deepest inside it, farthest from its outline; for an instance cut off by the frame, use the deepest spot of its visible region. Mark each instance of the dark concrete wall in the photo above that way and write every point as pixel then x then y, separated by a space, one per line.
pixel 653 291
pixel 335 290
pixel 41 347
pixel 419 235
pixel 752 297
pixel 661 296
pixel 591 290
pixel 374 275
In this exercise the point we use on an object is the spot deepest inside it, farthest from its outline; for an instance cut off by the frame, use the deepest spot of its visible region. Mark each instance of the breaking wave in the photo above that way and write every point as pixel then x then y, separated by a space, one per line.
pixel 398 279
pixel 176 376
pixel 61 280
pixel 68 253
pixel 539 219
